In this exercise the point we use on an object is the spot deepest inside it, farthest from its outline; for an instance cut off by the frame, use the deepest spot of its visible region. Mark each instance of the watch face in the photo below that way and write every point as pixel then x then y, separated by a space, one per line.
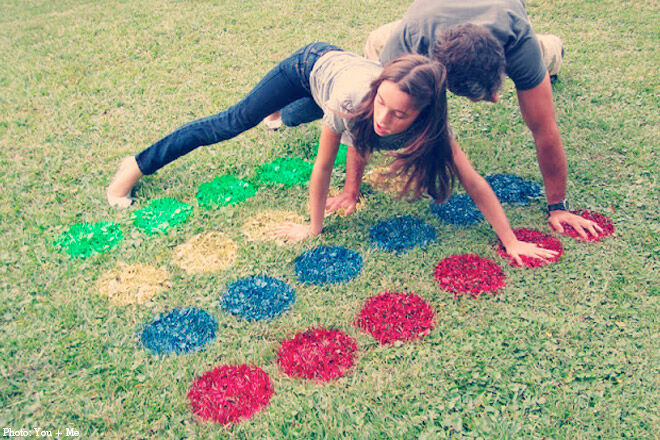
pixel 563 206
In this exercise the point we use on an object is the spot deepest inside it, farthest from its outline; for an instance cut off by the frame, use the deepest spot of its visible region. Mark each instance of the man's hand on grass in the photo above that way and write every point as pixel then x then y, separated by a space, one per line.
pixel 580 224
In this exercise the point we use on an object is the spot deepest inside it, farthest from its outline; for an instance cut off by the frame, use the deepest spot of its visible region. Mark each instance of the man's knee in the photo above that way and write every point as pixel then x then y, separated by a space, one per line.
pixel 552 51
pixel 377 39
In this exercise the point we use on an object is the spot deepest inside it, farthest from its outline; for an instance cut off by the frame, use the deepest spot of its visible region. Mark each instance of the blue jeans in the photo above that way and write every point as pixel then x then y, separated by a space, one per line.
pixel 301 111
pixel 285 84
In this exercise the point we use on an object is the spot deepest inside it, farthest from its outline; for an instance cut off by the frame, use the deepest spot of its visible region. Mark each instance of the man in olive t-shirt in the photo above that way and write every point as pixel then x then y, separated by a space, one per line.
pixel 505 41
pixel 506 20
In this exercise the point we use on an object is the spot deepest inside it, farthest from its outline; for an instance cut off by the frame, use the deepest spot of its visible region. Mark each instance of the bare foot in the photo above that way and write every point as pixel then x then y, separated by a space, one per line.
pixel 119 191
pixel 273 121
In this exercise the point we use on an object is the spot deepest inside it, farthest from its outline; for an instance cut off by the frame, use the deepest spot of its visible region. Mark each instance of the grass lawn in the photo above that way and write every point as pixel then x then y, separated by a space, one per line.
pixel 568 351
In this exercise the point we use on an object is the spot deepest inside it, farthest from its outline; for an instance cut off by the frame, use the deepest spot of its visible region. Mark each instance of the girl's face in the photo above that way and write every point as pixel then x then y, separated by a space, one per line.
pixel 393 110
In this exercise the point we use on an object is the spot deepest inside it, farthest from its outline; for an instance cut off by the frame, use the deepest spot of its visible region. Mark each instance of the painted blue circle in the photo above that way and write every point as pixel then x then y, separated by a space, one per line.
pixel 258 297
pixel 401 233
pixel 179 331
pixel 513 189
pixel 327 264
pixel 460 210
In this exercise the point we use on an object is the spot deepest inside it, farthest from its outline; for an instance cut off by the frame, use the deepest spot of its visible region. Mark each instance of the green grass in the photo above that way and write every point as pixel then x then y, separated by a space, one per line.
pixel 569 351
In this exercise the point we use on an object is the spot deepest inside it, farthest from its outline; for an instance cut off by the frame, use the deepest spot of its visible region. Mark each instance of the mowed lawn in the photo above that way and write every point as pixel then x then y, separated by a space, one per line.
pixel 568 351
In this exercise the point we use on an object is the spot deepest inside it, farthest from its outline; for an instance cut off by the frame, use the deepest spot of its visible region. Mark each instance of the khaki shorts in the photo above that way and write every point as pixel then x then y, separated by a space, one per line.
pixel 551 46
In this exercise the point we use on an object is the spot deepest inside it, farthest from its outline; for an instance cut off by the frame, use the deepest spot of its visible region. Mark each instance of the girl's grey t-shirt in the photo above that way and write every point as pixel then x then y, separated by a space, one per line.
pixel 506 19
pixel 338 82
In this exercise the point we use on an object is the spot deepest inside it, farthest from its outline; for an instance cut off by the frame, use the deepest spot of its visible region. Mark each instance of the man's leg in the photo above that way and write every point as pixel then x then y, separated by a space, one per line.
pixel 553 53
pixel 377 39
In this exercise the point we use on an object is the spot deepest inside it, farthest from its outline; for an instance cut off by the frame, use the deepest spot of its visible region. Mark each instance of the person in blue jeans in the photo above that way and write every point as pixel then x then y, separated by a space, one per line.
pixel 401 107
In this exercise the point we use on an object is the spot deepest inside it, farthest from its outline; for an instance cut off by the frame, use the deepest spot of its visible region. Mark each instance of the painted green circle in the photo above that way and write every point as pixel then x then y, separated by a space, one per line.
pixel 224 190
pixel 287 171
pixel 161 214
pixel 84 239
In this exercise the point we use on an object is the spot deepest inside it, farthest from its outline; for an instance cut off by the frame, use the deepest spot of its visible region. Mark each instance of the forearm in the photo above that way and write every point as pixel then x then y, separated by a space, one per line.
pixel 318 193
pixel 489 205
pixel 320 180
pixel 552 163
pixel 538 112
pixel 355 165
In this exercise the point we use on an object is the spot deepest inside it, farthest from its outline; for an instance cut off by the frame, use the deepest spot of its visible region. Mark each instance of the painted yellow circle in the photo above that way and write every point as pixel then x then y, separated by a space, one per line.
pixel 207 252
pixel 262 226
pixel 377 178
pixel 332 192
pixel 133 284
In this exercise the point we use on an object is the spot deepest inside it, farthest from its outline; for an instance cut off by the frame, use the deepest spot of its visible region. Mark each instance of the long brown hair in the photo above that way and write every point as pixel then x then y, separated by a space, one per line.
pixel 425 161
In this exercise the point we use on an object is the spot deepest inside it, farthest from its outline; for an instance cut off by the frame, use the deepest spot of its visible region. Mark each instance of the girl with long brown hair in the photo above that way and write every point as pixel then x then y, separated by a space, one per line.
pixel 401 106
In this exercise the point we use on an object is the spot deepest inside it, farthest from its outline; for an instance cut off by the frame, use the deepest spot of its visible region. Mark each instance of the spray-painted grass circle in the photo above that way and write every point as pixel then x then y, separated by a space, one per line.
pixel 401 233
pixel 328 264
pixel 340 160
pixel 469 274
pixel 230 393
pixel 224 190
pixel 459 210
pixel 84 239
pixel 317 354
pixel 179 331
pixel 602 221
pixel 262 226
pixel 333 192
pixel 378 178
pixel 258 297
pixel 540 239
pixel 513 189
pixel 133 284
pixel 161 214
pixel 393 316
pixel 287 171
pixel 208 252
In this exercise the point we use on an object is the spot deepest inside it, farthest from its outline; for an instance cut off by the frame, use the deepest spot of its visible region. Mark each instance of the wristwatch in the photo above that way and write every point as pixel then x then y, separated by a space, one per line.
pixel 560 206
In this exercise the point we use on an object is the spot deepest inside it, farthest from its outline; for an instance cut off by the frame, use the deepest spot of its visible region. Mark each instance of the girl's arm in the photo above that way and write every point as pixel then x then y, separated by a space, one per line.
pixel 318 188
pixel 487 202
pixel 348 198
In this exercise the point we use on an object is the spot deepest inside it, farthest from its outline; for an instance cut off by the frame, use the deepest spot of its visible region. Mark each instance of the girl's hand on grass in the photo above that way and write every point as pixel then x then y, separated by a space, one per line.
pixel 343 202
pixel 293 231
pixel 519 248
pixel 580 224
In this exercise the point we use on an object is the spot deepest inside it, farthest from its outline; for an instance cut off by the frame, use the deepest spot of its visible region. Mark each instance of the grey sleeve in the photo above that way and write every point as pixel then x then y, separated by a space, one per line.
pixel 524 62
pixel 338 124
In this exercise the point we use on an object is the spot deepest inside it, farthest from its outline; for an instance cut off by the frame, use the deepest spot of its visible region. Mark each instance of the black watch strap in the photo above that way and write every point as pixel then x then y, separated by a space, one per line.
pixel 559 206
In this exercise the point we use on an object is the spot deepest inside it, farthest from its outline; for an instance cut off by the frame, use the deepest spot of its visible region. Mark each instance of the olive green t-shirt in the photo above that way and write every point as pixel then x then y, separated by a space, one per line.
pixel 506 19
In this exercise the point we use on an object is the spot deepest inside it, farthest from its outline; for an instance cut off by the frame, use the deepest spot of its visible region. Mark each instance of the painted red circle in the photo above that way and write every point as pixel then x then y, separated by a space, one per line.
pixel 318 354
pixel 539 238
pixel 230 393
pixel 469 273
pixel 393 316
pixel 602 221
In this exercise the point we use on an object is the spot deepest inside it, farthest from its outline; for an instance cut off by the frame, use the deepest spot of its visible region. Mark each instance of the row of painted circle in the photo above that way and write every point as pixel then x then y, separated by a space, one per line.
pixel 228 394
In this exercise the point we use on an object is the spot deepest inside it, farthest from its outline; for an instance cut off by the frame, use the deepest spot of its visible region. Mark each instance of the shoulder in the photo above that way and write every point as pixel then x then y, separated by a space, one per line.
pixel 347 78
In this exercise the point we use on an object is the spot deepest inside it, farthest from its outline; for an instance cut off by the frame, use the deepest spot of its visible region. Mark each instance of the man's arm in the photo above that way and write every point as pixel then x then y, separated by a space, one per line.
pixel 538 111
